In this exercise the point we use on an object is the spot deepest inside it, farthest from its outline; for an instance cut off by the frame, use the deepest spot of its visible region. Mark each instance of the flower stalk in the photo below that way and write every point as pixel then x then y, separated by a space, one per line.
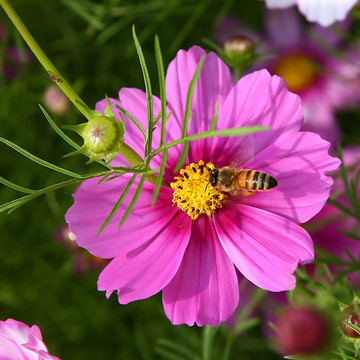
pixel 53 72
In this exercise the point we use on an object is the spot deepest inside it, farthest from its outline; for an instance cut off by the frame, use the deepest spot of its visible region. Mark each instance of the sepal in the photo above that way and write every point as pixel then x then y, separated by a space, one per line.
pixel 103 135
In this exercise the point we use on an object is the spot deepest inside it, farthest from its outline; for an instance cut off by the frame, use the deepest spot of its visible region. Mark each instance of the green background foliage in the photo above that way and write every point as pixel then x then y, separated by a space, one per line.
pixel 91 43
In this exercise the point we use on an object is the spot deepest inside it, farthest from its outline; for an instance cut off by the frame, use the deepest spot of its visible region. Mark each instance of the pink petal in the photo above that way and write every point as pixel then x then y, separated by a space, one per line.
pixel 299 162
pixel 266 248
pixel 134 102
pixel 146 270
pixel 94 202
pixel 205 289
pixel 19 341
pixel 213 85
pixel 325 12
pixel 258 99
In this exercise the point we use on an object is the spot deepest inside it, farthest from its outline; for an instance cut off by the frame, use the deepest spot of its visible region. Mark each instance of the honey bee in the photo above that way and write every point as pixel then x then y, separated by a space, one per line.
pixel 232 180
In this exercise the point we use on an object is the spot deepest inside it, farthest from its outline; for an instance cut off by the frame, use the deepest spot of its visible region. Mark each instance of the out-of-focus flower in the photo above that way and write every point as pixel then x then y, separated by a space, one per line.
pixel 18 341
pixel 328 226
pixel 325 82
pixel 13 61
pixel 190 251
pixel 302 330
pixel 82 260
pixel 56 101
pixel 323 12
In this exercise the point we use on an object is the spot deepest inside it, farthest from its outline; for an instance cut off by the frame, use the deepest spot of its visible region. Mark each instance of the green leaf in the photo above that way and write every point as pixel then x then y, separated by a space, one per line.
pixel 136 123
pixel 15 186
pixel 187 113
pixel 161 72
pixel 350 234
pixel 342 207
pixel 38 160
pixel 175 351
pixel 245 130
pixel 133 200
pixel 159 181
pixel 117 204
pixel 149 97
pixel 215 117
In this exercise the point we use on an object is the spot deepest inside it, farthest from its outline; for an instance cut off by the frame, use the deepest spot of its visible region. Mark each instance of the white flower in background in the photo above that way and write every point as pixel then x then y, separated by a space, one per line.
pixel 324 12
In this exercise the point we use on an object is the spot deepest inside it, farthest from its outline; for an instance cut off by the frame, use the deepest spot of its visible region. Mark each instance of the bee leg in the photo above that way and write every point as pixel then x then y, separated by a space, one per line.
pixel 248 192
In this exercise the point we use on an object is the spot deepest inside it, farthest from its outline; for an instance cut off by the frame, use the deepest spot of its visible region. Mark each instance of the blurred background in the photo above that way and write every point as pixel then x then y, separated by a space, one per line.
pixel 44 278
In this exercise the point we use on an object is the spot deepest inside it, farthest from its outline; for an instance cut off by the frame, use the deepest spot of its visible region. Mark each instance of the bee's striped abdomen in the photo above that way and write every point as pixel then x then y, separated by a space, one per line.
pixel 254 180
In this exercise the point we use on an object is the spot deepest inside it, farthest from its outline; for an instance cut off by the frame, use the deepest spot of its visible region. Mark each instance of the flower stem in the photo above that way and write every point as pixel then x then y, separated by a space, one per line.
pixel 126 151
pixel 54 74
pixel 135 159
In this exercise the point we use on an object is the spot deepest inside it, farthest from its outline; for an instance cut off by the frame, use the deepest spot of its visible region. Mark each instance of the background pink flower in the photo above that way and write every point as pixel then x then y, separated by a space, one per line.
pixel 18 341
pixel 328 225
pixel 193 261
pixel 326 82
pixel 324 12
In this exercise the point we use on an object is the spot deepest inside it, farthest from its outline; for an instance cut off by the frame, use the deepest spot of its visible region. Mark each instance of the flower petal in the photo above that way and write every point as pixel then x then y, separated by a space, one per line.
pixel 258 99
pixel 266 248
pixel 146 270
pixel 19 341
pixel 205 289
pixel 299 162
pixel 134 102
pixel 94 202
pixel 213 84
pixel 325 12
pixel 279 4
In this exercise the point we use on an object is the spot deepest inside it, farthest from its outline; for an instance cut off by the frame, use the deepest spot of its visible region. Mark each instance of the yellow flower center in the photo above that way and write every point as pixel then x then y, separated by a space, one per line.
pixel 298 71
pixel 193 192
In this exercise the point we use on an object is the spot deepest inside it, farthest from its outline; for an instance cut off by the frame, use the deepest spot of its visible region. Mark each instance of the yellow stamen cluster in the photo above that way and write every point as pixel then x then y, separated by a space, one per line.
pixel 193 192
pixel 298 71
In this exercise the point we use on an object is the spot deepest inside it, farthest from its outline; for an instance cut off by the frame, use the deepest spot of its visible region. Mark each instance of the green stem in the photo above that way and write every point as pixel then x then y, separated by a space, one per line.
pixel 238 72
pixel 54 74
pixel 135 159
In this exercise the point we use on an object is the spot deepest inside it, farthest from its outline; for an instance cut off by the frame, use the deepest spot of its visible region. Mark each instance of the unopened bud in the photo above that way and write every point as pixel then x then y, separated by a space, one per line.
pixel 350 315
pixel 302 330
pixel 102 134
pixel 238 45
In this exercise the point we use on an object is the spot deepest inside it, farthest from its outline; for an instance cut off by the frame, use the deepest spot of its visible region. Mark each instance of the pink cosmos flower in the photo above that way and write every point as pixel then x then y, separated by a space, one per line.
pixel 194 260
pixel 325 82
pixel 324 12
pixel 21 342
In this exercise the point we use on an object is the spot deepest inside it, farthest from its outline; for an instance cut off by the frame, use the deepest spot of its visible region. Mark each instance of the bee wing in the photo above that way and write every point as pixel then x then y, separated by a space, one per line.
pixel 244 153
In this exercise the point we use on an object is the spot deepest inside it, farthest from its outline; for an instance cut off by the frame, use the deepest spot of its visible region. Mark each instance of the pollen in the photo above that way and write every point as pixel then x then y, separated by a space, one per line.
pixel 193 192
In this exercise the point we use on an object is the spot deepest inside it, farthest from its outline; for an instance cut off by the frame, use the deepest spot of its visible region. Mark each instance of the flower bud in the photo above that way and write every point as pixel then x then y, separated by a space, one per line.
pixel 302 330
pixel 102 134
pixel 238 46
pixel 350 315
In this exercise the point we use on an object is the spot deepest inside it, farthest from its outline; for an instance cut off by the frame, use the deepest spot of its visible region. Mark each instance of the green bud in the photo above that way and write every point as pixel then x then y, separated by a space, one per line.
pixel 102 134
pixel 238 46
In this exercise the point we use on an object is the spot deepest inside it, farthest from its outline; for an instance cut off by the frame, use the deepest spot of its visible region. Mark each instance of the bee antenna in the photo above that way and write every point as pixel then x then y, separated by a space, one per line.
pixel 207 185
